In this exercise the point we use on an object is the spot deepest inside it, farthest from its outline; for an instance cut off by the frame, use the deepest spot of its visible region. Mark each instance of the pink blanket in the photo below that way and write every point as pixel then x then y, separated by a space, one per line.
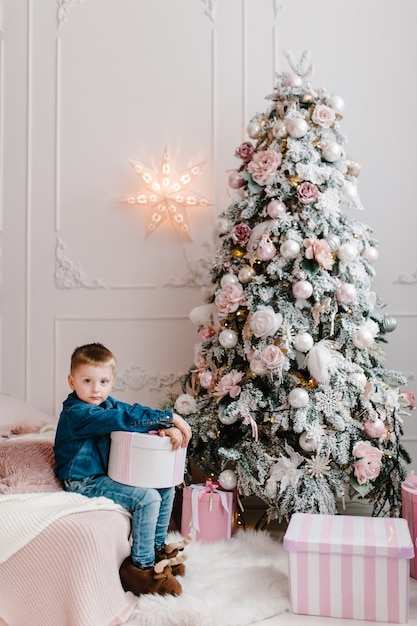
pixel 69 574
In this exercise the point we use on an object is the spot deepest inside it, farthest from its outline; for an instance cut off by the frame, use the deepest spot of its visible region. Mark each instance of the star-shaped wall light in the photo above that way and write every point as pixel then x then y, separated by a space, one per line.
pixel 166 194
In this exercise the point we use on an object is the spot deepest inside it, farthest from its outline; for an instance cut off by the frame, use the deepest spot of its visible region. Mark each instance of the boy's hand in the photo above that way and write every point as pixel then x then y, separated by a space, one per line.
pixel 180 423
pixel 174 434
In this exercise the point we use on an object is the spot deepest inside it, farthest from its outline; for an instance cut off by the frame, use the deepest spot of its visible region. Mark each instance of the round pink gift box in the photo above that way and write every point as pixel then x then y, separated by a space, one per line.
pixel 145 460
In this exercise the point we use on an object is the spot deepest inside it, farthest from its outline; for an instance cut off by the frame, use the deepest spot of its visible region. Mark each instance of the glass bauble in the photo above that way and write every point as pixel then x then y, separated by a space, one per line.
pixel 227 479
pixel 302 289
pixel 374 428
pixel 228 338
pixel 290 249
pixel 228 279
pixel 306 442
pixel 297 127
pixel 246 273
pixel 298 398
pixel 303 342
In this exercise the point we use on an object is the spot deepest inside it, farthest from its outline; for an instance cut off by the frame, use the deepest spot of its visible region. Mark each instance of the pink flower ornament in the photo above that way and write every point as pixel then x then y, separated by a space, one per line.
pixel 229 299
pixel 228 385
pixel 263 166
pixel 368 467
pixel 307 192
pixel 320 251
pixel 245 151
pixel 323 116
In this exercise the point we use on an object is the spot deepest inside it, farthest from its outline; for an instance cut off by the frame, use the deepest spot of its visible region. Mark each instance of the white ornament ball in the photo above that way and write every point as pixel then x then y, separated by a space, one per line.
pixel 227 479
pixel 227 420
pixel 223 225
pixel 331 151
pixel 279 130
pixel 348 191
pixel 298 398
pixel 276 209
pixel 229 279
pixel 290 249
pixel 302 289
pixel 253 129
pixel 297 127
pixel 347 252
pixel 303 342
pixel 228 338
pixel 359 378
pixel 371 254
pixel 306 442
pixel 334 241
pixel 336 103
pixel 246 274
pixel 362 338
pixel 346 293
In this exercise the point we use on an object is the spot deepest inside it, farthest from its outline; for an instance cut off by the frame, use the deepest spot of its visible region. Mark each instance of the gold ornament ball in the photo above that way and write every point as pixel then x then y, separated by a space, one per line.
pixel 238 252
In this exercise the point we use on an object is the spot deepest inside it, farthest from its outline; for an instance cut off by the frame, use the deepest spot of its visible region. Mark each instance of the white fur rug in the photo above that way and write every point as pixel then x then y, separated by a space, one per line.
pixel 232 582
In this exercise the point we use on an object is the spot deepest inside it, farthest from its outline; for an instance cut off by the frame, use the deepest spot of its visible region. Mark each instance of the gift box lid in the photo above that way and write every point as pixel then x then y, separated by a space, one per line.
pixel 349 535
pixel 142 440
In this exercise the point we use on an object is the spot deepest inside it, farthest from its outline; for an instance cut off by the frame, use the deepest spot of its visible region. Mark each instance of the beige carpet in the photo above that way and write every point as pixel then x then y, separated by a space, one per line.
pixel 230 583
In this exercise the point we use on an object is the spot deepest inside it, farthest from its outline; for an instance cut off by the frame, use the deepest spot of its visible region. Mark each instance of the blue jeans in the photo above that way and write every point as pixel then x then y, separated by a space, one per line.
pixel 150 508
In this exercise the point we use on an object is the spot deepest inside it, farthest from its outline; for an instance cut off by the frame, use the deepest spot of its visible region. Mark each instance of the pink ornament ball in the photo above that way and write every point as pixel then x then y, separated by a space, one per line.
pixel 236 181
pixel 374 428
pixel 229 279
pixel 302 289
pixel 206 379
pixel 276 209
pixel 292 80
pixel 346 293
pixel 362 338
pixel 266 250
pixel 246 274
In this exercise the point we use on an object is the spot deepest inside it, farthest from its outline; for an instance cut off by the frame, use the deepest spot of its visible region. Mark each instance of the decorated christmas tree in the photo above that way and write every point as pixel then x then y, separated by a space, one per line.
pixel 288 396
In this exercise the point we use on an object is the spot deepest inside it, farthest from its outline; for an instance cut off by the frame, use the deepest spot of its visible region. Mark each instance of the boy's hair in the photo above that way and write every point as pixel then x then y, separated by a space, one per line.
pixel 92 354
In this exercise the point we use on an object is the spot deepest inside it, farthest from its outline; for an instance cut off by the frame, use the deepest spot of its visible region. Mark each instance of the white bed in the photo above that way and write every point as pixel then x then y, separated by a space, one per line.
pixel 60 553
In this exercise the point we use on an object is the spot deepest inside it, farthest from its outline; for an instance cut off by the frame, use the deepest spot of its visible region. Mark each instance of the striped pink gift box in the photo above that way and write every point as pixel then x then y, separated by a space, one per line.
pixel 409 512
pixel 145 460
pixel 349 567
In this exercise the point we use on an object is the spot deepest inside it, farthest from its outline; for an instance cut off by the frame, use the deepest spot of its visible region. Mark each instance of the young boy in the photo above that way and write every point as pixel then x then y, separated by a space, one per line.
pixel 82 446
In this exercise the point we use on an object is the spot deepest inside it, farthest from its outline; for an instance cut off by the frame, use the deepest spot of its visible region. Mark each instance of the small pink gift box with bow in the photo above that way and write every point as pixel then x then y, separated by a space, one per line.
pixel 208 513
pixel 349 566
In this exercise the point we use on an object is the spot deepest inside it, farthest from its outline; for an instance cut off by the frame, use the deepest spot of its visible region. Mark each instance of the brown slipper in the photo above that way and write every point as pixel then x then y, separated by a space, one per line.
pixel 156 580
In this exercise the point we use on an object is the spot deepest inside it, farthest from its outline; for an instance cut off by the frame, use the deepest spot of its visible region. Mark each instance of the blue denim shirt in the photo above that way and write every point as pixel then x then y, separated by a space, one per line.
pixel 82 441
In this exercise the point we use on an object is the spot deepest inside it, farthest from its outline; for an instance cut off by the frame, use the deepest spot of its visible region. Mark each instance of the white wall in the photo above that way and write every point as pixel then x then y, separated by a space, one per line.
pixel 88 84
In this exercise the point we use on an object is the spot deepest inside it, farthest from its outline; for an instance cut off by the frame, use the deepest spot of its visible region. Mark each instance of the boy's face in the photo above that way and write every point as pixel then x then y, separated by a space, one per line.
pixel 92 383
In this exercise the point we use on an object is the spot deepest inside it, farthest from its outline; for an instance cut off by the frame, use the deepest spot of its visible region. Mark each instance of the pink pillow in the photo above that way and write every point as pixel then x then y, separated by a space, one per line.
pixel 27 464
